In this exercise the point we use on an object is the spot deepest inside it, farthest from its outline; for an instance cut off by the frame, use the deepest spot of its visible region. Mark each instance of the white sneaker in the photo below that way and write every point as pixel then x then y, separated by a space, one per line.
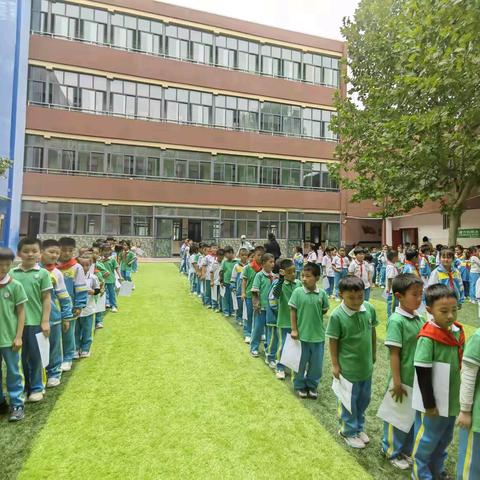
pixel 364 437
pixel 263 338
pixel 354 442
pixel 272 364
pixel 53 382
pixel 247 340
pixel 280 375
pixel 76 355
pixel 85 355
pixel 35 397
pixel 254 354
pixel 114 310
pixel 66 366
pixel 400 463
pixel 99 326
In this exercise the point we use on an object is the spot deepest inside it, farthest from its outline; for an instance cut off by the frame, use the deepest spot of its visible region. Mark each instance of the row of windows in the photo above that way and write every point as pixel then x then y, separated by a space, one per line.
pixel 91 93
pixel 94 158
pixel 125 220
pixel 187 44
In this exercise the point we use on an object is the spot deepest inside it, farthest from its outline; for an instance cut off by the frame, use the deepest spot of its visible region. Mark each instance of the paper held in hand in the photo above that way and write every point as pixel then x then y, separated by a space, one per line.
pixel 44 348
pixel 234 301
pixel 214 293
pixel 222 291
pixel 244 311
pixel 292 351
pixel 399 414
pixel 125 289
pixel 441 389
pixel 343 390
pixel 100 306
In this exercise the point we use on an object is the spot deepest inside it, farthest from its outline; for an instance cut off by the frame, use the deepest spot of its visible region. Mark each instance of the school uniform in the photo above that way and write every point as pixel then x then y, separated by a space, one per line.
pixel 282 292
pixel 424 267
pixel 199 283
pixel 215 270
pixel 84 323
pixel 35 282
pixel 402 332
pixel 227 269
pixel 362 271
pixel 353 331
pixel 464 268
pixel 100 271
pixel 74 277
pixel 382 260
pixel 310 307
pixel 126 265
pixel 468 465
pixel 474 274
pixel 248 274
pixel 61 310
pixel 433 435
pixel 271 323
pixel 452 279
pixel 329 273
pixel 236 287
pixel 410 267
pixel 392 302
pixel 341 265
pixel 12 294
pixel 261 285
pixel 207 289
pixel 298 261
pixel 192 276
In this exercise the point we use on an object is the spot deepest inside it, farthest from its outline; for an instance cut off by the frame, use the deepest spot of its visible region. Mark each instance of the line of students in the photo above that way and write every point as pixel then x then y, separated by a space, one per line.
pixel 54 293
pixel 274 305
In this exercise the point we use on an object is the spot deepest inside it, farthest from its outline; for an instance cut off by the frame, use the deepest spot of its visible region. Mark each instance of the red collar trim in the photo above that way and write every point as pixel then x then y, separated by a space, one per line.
pixel 67 265
pixel 446 337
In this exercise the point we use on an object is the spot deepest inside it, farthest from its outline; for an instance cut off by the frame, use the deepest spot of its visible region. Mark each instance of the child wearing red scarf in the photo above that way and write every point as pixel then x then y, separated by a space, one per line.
pixel 439 341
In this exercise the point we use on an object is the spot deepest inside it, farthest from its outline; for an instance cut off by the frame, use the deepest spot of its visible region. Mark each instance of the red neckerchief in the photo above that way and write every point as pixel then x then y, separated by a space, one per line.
pixel 255 266
pixel 51 267
pixel 450 278
pixel 2 285
pixel 444 336
pixel 67 265
pixel 341 262
pixel 361 268
pixel 408 262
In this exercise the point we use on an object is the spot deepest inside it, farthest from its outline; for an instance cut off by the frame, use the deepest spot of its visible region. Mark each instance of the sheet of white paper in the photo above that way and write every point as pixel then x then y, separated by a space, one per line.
pixel 234 301
pixel 326 283
pixel 244 311
pixel 117 281
pixel 214 292
pixel 222 291
pixel 202 287
pixel 44 347
pixel 441 389
pixel 399 414
pixel 100 306
pixel 125 289
pixel 343 390
pixel 292 351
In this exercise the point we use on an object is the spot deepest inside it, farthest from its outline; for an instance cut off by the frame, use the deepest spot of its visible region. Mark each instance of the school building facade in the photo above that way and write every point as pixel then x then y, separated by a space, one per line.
pixel 155 122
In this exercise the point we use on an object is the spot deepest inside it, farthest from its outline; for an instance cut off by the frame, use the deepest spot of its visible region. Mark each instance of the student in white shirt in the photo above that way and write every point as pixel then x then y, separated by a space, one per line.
pixel 340 265
pixel 328 270
pixel 474 272
pixel 360 269
pixel 391 273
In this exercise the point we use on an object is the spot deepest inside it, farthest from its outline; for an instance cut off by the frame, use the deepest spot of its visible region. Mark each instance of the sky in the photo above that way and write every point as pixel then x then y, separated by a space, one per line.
pixel 317 17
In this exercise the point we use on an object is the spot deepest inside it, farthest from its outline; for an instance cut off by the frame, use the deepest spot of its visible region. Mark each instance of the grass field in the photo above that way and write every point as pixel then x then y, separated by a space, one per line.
pixel 171 392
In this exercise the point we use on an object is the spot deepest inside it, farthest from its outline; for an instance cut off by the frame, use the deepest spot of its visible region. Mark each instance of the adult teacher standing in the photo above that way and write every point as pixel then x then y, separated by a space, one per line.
pixel 273 247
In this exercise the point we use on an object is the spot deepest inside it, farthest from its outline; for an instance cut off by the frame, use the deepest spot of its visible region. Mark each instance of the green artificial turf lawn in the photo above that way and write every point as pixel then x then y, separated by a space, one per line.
pixel 171 392
pixel 177 395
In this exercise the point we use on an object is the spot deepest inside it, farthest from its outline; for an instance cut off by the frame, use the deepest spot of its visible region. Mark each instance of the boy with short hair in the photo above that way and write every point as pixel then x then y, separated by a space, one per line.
pixel 424 263
pixel 299 261
pixel 248 276
pixel 100 271
pixel 61 311
pixel 308 305
pixel 390 274
pixel 352 339
pixel 411 263
pixel 38 286
pixel 226 270
pixel 360 269
pixel 282 291
pixel 207 270
pixel 236 282
pixel 111 267
pixel 340 264
pixel 448 275
pixel 215 279
pixel 126 259
pixel 328 270
pixel 260 290
pixel 77 289
pixel 468 466
pixel 440 340
pixel 12 320
pixel 403 327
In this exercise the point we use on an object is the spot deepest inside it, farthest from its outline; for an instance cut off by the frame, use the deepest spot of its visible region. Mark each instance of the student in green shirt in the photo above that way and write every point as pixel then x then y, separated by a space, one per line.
pixel 126 258
pixel 352 340
pixel 440 340
pixel 38 287
pixel 308 305
pixel 111 267
pixel 282 291
pixel 260 290
pixel 403 327
pixel 226 270
pixel 12 321
pixel 468 466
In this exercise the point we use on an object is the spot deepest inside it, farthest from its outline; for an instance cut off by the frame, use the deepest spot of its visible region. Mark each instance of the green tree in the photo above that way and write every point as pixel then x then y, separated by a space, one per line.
pixel 4 164
pixel 410 124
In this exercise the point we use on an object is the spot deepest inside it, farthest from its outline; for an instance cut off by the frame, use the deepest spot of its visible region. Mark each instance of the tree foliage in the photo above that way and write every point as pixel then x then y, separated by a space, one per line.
pixel 4 164
pixel 410 124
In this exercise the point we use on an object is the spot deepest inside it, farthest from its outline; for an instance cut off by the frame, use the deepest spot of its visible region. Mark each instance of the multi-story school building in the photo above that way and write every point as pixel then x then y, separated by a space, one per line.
pixel 155 122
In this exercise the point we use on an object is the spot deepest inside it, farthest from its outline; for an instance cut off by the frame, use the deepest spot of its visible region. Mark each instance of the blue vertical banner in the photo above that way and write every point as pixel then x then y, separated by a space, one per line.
pixel 14 42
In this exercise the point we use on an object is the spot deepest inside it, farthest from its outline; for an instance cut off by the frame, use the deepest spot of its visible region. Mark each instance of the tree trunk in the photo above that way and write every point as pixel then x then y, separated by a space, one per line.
pixel 454 217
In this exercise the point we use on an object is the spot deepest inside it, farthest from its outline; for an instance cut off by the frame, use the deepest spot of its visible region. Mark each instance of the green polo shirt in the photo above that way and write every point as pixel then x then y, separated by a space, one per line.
pixel 353 330
pixel 283 307
pixel 126 261
pixel 310 307
pixel 429 351
pixel 402 332
pixel 12 294
pixel 262 284
pixel 110 266
pixel 227 268
pixel 472 355
pixel 249 274
pixel 34 281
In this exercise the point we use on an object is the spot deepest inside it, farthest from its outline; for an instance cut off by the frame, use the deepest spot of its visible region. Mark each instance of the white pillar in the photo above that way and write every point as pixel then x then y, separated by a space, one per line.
pixel 388 231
